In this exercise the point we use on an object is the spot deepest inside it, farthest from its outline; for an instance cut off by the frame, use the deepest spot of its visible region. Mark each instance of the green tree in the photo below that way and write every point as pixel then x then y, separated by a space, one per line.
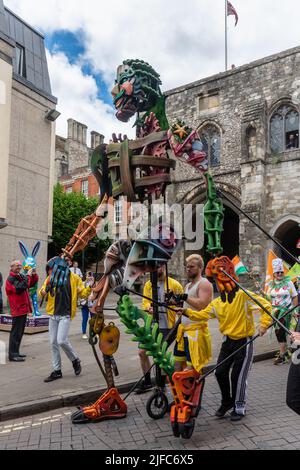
pixel 68 210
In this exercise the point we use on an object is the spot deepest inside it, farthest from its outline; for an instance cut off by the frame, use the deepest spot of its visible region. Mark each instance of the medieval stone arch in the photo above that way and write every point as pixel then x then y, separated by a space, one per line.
pixel 231 234
pixel 287 231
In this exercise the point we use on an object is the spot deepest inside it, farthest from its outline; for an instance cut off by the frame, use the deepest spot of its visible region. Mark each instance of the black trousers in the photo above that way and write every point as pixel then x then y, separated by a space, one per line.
pixel 241 364
pixel 16 335
pixel 293 384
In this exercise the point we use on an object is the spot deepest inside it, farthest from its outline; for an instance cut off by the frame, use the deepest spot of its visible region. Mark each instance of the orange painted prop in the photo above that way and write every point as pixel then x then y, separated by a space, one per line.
pixel 187 392
pixel 225 285
pixel 109 406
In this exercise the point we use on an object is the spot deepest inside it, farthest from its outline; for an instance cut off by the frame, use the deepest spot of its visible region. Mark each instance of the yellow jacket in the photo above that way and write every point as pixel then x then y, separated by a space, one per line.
pixel 174 286
pixel 235 319
pixel 77 290
pixel 199 339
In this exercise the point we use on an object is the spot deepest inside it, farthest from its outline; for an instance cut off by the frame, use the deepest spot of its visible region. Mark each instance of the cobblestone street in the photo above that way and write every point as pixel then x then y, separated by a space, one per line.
pixel 269 424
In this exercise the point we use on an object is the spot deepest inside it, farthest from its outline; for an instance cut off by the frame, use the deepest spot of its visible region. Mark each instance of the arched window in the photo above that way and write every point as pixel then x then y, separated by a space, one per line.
pixel 284 129
pixel 211 140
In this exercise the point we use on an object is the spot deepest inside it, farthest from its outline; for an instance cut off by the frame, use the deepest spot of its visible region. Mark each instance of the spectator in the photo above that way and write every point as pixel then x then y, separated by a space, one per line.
pixel 85 304
pixel 75 269
pixel 292 143
pixel 62 306
pixel 16 287
pixel 282 294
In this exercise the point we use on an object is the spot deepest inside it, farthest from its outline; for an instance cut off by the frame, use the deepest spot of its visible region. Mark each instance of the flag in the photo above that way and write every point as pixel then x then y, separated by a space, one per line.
pixel 269 273
pixel 239 267
pixel 232 11
pixel 294 272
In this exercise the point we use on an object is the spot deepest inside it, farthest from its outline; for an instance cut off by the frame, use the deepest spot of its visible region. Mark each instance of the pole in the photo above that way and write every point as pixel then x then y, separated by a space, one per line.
pixel 226 44
pixel 257 303
pixel 203 377
pixel 259 227
pixel 82 262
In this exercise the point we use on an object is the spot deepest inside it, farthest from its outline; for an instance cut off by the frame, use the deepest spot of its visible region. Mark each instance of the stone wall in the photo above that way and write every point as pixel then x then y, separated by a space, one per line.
pixel 264 185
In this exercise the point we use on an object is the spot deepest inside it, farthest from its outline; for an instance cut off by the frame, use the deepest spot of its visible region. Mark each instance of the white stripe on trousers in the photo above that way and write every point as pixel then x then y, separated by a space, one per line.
pixel 241 391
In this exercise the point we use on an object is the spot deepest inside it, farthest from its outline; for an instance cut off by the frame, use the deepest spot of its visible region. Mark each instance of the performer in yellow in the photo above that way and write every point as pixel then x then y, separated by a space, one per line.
pixel 167 318
pixel 193 343
pixel 236 323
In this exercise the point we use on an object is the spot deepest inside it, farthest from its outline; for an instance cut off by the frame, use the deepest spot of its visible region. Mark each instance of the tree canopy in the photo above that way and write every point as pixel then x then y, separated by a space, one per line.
pixel 68 210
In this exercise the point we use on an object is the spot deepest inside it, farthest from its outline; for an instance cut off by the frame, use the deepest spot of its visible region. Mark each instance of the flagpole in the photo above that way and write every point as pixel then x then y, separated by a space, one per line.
pixel 226 53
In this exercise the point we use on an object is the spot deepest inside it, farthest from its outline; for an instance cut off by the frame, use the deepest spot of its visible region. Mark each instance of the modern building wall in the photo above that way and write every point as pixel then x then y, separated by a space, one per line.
pixel 6 71
pixel 28 150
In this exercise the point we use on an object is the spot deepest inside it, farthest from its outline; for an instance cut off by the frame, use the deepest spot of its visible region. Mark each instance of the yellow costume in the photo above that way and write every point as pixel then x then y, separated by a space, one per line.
pixel 174 286
pixel 77 290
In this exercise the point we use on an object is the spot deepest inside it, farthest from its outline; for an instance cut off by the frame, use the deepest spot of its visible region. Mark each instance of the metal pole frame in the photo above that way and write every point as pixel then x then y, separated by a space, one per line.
pixel 203 377
pixel 257 302
pixel 259 227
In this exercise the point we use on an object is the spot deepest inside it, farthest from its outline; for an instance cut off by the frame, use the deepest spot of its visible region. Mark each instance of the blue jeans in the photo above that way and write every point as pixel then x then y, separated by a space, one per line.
pixel 85 318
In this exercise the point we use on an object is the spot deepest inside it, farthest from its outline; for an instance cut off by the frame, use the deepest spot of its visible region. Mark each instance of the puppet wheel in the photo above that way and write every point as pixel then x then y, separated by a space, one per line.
pixel 157 405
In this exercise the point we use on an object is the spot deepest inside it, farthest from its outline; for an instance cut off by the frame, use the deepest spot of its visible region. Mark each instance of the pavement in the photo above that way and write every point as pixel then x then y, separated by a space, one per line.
pixel 268 424
pixel 23 391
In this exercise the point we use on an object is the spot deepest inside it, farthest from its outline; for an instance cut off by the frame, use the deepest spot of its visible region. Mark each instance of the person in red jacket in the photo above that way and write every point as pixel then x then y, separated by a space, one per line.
pixel 16 287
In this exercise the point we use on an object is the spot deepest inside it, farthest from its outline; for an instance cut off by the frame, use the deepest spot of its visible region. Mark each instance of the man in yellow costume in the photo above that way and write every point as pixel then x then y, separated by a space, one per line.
pixel 234 312
pixel 167 318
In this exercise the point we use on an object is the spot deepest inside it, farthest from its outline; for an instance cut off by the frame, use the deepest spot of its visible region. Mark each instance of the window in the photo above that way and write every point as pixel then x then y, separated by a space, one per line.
pixel 208 102
pixel 211 140
pixel 284 129
pixel 20 61
pixel 69 189
pixel 64 167
pixel 251 143
pixel 85 187
pixel 118 212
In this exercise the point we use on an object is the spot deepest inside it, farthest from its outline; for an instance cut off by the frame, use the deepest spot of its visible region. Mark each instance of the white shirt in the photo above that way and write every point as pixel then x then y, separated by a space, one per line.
pixel 76 271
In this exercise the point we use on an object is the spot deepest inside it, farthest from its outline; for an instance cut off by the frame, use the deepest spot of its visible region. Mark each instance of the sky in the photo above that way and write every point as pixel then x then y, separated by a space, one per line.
pixel 182 40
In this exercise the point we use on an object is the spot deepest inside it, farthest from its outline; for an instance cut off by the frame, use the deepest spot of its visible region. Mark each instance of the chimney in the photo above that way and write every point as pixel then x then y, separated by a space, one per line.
pixel 77 131
pixel 96 139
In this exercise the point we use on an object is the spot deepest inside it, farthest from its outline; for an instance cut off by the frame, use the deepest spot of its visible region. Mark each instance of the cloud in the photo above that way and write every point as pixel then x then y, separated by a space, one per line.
pixel 183 41
pixel 78 99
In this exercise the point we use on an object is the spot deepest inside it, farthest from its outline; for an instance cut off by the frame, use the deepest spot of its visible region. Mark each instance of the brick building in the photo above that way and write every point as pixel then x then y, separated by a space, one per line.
pixel 73 157
pixel 248 119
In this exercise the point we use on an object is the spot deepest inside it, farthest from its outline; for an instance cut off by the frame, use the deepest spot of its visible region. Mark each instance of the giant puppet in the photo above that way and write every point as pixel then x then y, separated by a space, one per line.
pixel 140 170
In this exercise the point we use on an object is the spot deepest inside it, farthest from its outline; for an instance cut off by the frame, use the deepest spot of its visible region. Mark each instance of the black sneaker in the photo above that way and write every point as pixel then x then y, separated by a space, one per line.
pixel 55 375
pixel 234 416
pixel 223 410
pixel 143 387
pixel 77 366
